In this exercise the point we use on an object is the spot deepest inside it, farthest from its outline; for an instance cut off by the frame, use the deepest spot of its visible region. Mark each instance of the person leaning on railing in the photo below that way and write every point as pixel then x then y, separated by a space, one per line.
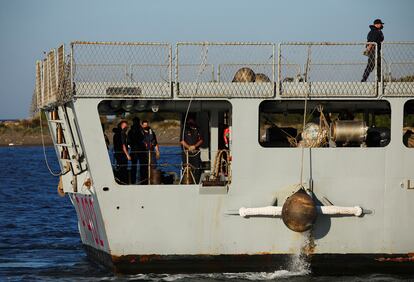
pixel 191 142
pixel 148 160
pixel 375 35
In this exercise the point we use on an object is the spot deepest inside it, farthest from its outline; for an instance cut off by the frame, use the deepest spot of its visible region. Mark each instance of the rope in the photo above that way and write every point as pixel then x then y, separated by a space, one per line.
pixel 219 162
pixel 44 149
pixel 200 71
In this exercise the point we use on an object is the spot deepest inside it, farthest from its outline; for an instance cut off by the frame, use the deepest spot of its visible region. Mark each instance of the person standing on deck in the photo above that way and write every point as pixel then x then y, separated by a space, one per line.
pixel 375 35
pixel 151 154
pixel 191 143
pixel 121 151
pixel 136 142
pixel 107 143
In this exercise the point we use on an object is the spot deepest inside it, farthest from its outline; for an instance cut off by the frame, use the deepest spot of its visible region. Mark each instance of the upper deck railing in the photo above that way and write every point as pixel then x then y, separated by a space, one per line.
pixel 397 70
pixel 327 69
pixel 222 70
pixel 227 58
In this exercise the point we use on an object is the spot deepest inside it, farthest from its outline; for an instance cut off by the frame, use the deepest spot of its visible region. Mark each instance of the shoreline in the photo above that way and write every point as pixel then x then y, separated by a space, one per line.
pixel 21 138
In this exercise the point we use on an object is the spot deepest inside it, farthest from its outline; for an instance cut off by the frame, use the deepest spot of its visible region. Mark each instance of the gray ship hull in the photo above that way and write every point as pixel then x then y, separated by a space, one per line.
pixel 192 228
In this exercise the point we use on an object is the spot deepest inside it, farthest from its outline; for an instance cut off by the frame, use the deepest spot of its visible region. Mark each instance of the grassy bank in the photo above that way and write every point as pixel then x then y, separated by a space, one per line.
pixel 24 132
pixel 27 132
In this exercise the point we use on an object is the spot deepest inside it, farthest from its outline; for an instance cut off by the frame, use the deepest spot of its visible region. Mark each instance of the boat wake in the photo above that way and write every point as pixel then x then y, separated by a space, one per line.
pixel 242 276
pixel 298 267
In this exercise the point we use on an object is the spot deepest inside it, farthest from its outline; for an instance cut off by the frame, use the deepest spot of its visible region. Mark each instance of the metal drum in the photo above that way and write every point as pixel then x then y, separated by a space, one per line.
pixel 349 131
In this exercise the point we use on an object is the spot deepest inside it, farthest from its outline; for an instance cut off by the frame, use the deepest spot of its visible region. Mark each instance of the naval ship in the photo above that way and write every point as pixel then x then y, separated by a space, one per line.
pixel 313 161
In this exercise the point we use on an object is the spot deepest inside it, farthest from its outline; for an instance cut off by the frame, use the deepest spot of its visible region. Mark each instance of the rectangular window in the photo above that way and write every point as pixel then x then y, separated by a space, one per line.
pixel 408 130
pixel 338 123
pixel 168 142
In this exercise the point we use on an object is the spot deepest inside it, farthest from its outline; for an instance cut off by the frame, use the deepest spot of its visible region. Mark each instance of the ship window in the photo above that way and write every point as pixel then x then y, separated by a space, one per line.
pixel 339 123
pixel 206 141
pixel 408 129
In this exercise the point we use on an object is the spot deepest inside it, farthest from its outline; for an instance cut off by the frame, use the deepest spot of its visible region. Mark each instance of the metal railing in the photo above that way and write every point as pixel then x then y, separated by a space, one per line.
pixel 237 66
pixel 223 70
pixel 51 80
pixel 397 69
pixel 329 69
pixel 144 167
pixel 108 68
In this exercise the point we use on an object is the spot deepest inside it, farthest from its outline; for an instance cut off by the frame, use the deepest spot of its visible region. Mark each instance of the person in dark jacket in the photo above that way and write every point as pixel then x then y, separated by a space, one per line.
pixel 121 151
pixel 191 142
pixel 136 142
pixel 148 159
pixel 375 35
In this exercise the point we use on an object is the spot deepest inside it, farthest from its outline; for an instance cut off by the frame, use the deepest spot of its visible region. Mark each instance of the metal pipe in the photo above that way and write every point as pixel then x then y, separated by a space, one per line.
pixel 279 69
pixel 71 65
pixel 326 210
pixel 273 64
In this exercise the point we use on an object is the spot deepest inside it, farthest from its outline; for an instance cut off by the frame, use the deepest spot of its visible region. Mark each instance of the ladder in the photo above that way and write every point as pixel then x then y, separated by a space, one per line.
pixel 66 141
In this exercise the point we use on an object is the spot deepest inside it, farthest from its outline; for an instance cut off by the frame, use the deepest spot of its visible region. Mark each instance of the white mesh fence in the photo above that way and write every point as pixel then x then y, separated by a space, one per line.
pixel 223 70
pixel 121 69
pixel 326 69
pixel 398 68
pixel 207 69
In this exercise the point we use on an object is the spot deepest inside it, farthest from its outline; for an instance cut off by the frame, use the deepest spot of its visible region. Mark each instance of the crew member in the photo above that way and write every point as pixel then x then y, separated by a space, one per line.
pixel 191 142
pixel 152 151
pixel 375 35
pixel 121 151
pixel 105 136
pixel 136 142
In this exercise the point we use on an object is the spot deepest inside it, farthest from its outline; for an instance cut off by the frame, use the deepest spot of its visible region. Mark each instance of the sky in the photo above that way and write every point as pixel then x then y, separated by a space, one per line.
pixel 29 28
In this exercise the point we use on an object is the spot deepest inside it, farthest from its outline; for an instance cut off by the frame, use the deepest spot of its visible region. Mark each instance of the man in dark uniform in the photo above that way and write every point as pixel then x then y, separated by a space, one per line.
pixel 191 145
pixel 121 151
pixel 375 35
pixel 135 141
pixel 152 151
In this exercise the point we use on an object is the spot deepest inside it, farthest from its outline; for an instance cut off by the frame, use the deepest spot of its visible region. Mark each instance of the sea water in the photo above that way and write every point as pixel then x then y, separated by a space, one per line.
pixel 39 239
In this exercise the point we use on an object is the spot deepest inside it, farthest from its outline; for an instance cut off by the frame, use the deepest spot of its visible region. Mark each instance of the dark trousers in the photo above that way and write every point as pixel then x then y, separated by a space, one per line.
pixel 121 168
pixel 370 67
pixel 195 163
pixel 134 167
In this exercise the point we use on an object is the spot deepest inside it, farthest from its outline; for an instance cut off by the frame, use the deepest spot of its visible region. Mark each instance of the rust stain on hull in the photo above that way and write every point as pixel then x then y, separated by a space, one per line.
pixel 320 264
pixel 408 258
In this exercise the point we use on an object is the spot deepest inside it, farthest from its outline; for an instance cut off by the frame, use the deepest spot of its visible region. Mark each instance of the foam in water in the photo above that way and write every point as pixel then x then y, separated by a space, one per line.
pixel 298 266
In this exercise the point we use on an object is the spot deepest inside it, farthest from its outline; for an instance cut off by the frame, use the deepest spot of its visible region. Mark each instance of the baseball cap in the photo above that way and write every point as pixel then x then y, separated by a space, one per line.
pixel 378 21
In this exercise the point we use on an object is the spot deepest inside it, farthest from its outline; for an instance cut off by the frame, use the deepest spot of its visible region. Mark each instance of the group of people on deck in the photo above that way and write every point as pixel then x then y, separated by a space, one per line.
pixel 139 146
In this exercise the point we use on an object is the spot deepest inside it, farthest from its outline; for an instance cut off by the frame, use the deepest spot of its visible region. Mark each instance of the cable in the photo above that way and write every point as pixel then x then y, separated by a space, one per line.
pixel 200 71
pixel 44 149
pixel 303 145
